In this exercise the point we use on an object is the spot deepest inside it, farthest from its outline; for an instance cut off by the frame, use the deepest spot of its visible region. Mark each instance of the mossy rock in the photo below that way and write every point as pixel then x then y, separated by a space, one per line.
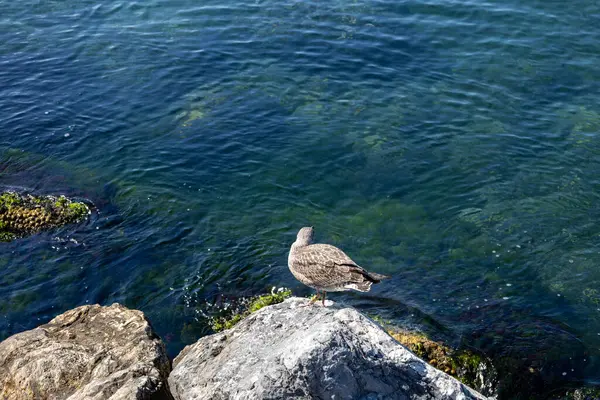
pixel 247 307
pixel 23 215
pixel 472 369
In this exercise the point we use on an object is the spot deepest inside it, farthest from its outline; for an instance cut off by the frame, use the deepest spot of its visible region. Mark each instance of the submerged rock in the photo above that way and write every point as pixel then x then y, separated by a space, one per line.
pixel 91 352
pixel 289 351
pixel 24 214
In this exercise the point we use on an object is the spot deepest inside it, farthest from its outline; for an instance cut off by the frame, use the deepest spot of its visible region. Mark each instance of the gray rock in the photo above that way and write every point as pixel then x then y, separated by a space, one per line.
pixel 287 351
pixel 91 352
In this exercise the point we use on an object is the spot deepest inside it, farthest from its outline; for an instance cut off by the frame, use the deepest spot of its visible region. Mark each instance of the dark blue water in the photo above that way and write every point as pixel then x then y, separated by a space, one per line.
pixel 453 145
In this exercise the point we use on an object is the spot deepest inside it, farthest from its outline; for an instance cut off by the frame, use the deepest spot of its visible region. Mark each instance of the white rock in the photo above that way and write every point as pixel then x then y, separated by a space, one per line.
pixel 291 352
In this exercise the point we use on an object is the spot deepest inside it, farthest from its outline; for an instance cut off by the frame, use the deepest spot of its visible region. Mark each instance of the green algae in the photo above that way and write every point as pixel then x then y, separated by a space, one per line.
pixel 250 306
pixel 194 114
pixel 288 89
pixel 23 215
pixel 312 101
pixel 15 160
pixel 222 324
pixel 375 141
pixel 583 124
pixel 21 301
pixel 77 210
pixel 592 295
pixel 469 367
pixel 9 199
pixel 265 300
pixel 6 236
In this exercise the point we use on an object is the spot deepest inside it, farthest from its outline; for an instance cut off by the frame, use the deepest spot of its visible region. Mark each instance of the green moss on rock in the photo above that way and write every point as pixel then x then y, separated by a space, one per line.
pixel 252 305
pixel 220 324
pixel 274 297
pixel 23 215
pixel 465 365
pixel 7 236
pixel 436 354
pixel 77 210
pixel 9 199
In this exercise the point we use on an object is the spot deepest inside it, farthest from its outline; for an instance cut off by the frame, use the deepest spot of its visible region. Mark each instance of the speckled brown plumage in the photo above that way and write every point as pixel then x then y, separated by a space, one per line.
pixel 326 268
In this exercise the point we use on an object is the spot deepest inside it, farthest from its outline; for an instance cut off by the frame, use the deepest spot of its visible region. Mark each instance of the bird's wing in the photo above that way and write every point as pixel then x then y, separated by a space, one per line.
pixel 327 265
pixel 332 257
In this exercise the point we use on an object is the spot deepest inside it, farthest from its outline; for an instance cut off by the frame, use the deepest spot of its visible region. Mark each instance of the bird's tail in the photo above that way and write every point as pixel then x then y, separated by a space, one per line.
pixel 376 278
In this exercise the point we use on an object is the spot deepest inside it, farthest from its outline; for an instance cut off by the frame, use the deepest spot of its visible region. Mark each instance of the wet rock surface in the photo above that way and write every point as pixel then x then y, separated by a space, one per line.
pixel 291 351
pixel 90 352
pixel 471 368
pixel 25 214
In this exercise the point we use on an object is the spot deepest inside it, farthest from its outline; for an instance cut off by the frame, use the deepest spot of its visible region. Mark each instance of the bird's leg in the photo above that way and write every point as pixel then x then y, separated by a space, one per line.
pixel 324 294
pixel 312 301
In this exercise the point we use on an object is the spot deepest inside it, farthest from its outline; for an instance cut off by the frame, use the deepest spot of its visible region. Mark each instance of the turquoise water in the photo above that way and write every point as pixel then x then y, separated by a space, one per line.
pixel 453 145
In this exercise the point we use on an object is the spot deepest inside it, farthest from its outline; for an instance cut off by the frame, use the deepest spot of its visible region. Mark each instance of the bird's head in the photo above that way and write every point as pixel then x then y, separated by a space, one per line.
pixel 305 236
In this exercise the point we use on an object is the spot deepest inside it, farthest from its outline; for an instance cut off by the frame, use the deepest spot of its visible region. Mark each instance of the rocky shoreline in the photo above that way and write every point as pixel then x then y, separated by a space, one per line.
pixel 281 351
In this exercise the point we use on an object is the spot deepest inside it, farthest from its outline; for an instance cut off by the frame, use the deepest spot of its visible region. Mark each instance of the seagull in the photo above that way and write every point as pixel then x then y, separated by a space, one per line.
pixel 326 268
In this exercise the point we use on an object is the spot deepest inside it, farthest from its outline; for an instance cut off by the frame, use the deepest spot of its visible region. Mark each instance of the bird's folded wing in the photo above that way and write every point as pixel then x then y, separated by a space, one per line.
pixel 328 266
pixel 331 256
